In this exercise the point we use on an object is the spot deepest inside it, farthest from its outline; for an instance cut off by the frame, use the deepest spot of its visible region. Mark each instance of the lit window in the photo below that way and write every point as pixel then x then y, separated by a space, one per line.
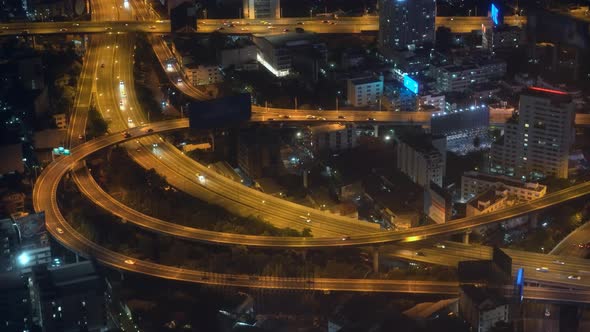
pixel 526 125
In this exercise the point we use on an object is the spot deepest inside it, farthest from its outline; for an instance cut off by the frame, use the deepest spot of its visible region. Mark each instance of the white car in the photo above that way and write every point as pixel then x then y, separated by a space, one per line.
pixel 59 230
pixel 542 269
pixel 129 261
pixel 574 277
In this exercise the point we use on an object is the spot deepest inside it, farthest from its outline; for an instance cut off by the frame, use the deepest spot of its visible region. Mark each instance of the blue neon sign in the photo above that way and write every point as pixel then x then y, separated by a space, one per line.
pixel 495 13
pixel 520 283
pixel 410 84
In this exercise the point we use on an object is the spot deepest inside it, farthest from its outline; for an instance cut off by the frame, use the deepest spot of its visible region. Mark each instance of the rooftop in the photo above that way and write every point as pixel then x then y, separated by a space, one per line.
pixel 480 295
pixel 505 180
pixel 555 96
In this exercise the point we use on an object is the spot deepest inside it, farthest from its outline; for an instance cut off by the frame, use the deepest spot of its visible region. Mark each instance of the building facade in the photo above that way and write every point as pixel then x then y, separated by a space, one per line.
pixel 364 91
pixel 202 74
pixel 459 78
pixel 283 54
pixel 406 24
pixel 261 9
pixel 537 140
pixel 333 137
pixel 422 158
pixel 503 37
pixel 438 203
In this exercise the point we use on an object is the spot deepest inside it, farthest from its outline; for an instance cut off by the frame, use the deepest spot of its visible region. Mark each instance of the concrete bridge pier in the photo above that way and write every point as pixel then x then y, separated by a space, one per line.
pixel 466 236
pixel 376 130
pixel 375 257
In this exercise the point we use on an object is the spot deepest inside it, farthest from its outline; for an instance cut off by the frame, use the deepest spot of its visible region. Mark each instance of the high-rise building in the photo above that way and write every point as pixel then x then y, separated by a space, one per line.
pixel 262 8
pixel 537 140
pixel 405 24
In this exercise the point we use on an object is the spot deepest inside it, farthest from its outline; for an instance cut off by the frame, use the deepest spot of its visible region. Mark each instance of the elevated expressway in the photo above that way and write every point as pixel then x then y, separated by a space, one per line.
pixel 45 199
pixel 113 20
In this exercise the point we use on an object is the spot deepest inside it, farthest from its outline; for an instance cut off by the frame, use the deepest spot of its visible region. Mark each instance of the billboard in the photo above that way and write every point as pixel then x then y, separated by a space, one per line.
pixel 221 112
pixel 410 84
pixel 473 117
pixel 495 14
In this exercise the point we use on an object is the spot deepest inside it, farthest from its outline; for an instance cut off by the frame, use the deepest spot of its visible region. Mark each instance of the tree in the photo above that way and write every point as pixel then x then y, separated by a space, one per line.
pixel 96 126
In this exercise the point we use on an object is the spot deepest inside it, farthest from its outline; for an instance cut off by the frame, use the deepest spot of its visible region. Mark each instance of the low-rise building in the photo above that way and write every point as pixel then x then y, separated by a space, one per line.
pixel 364 91
pixel 60 121
pixel 202 74
pixel 473 183
pixel 333 137
pixel 422 158
pixel 12 203
pixel 482 308
pixel 490 200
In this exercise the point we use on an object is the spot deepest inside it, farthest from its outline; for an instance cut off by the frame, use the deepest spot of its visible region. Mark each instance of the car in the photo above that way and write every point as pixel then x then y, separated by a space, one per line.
pixel 126 135
pixel 152 27
pixel 179 80
pixel 300 23
pixel 559 262
pixel 129 261
pixel 76 24
pixel 574 277
pixel 440 246
pixel 345 237
pixel 80 137
pixel 201 177
pixel 150 130
pixel 121 83
pixel 108 28
pixel 419 253
pixel 285 30
pixel 63 29
pixel 102 65
pixel 220 28
pixel 121 106
pixel 285 117
pixel 341 117
pixel 129 120
pixel 232 26
pixel 59 230
pixel 311 117
pixel 321 118
pixel 542 269
pixel 270 119
pixel 299 30
pixel 324 21
pixel 371 119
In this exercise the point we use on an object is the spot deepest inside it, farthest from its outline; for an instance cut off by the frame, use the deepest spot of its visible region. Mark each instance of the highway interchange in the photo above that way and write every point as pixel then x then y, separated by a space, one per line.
pixel 45 189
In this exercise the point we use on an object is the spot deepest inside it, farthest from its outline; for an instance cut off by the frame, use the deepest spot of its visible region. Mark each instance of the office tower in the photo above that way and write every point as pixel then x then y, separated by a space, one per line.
pixel 406 24
pixel 262 9
pixel 537 140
